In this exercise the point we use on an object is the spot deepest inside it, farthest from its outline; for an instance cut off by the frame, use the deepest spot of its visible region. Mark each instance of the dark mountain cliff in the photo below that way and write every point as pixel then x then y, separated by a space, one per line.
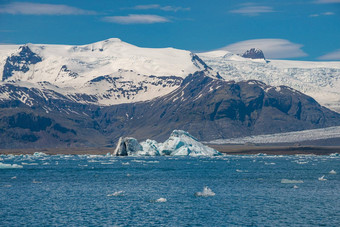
pixel 205 107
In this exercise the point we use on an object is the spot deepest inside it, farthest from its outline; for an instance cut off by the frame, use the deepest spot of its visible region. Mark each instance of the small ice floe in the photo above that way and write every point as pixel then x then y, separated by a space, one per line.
pixel 295 187
pixel 322 178
pixel 270 163
pixel 15 177
pixel 161 200
pixel 83 165
pixel 45 163
pixel 205 193
pixel 125 163
pixel 286 181
pixel 118 193
pixel 36 182
pixel 128 175
pixel 332 171
pixel 241 171
pixel 10 166
pixel 39 154
pixel 29 164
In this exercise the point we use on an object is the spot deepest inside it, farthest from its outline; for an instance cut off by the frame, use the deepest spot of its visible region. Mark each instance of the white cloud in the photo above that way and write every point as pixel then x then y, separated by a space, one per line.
pixel 326 1
pixel 253 10
pixel 272 48
pixel 136 19
pixel 322 14
pixel 28 8
pixel 328 13
pixel 164 8
pixel 335 55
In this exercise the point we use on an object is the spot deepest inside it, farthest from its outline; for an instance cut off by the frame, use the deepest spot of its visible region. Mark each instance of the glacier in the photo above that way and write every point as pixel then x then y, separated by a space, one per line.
pixel 320 80
pixel 107 72
pixel 180 143
pixel 287 137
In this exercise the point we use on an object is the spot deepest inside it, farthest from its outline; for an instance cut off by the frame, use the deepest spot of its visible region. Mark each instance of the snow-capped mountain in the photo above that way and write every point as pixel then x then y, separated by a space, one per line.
pixel 321 80
pixel 106 73
pixel 91 95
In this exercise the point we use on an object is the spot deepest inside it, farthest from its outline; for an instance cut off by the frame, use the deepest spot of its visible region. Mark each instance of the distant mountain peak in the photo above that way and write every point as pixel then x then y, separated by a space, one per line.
pixel 253 53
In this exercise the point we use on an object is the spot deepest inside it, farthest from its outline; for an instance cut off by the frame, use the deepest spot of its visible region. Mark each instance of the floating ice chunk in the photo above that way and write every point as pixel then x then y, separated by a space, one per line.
pixel 332 171
pixel 161 200
pixel 295 187
pixel 182 143
pixel 150 148
pixel 39 154
pixel 15 177
pixel 322 178
pixel 125 163
pixel 205 193
pixel 36 182
pixel 29 164
pixel 10 166
pixel 270 163
pixel 128 175
pixel 286 181
pixel 118 193
pixel 127 146
pixel 241 171
pixel 335 154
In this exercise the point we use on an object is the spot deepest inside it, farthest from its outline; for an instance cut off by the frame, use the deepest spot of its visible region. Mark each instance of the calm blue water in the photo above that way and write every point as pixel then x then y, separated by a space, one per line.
pixel 73 191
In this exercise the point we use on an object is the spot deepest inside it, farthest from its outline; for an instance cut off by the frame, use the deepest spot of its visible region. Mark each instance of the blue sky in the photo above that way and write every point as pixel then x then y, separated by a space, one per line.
pixel 299 29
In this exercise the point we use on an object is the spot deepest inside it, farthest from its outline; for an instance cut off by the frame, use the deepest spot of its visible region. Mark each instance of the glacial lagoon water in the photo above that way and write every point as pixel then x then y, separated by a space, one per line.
pixel 169 191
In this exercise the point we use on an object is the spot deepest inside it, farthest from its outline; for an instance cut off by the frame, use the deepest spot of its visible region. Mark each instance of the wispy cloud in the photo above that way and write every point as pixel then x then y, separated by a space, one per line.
pixel 28 8
pixel 335 55
pixel 322 14
pixel 136 19
pixel 326 1
pixel 159 7
pixel 272 48
pixel 253 10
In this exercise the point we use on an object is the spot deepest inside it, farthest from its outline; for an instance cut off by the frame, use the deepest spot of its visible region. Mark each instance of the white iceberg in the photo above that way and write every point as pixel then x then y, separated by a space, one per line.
pixel 180 143
pixel 150 148
pixel 205 193
pixel 322 178
pixel 39 154
pixel 332 171
pixel 286 181
pixel 118 193
pixel 161 200
pixel 10 166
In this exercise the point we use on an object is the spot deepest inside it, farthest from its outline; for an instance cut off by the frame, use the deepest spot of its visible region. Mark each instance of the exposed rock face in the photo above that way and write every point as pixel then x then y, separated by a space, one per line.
pixel 207 108
pixel 20 62
pixel 253 53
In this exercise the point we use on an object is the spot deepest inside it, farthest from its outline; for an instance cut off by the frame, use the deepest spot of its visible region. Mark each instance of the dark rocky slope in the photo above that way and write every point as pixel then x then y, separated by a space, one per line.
pixel 207 108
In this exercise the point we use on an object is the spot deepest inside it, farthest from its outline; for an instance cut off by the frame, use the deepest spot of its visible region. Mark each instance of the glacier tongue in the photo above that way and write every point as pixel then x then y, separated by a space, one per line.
pixel 321 80
pixel 180 143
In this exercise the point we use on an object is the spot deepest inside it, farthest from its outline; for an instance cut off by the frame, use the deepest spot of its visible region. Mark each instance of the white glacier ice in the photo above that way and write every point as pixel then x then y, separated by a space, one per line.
pixel 322 178
pixel 332 171
pixel 161 200
pixel 118 193
pixel 286 181
pixel 180 143
pixel 10 166
pixel 205 193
